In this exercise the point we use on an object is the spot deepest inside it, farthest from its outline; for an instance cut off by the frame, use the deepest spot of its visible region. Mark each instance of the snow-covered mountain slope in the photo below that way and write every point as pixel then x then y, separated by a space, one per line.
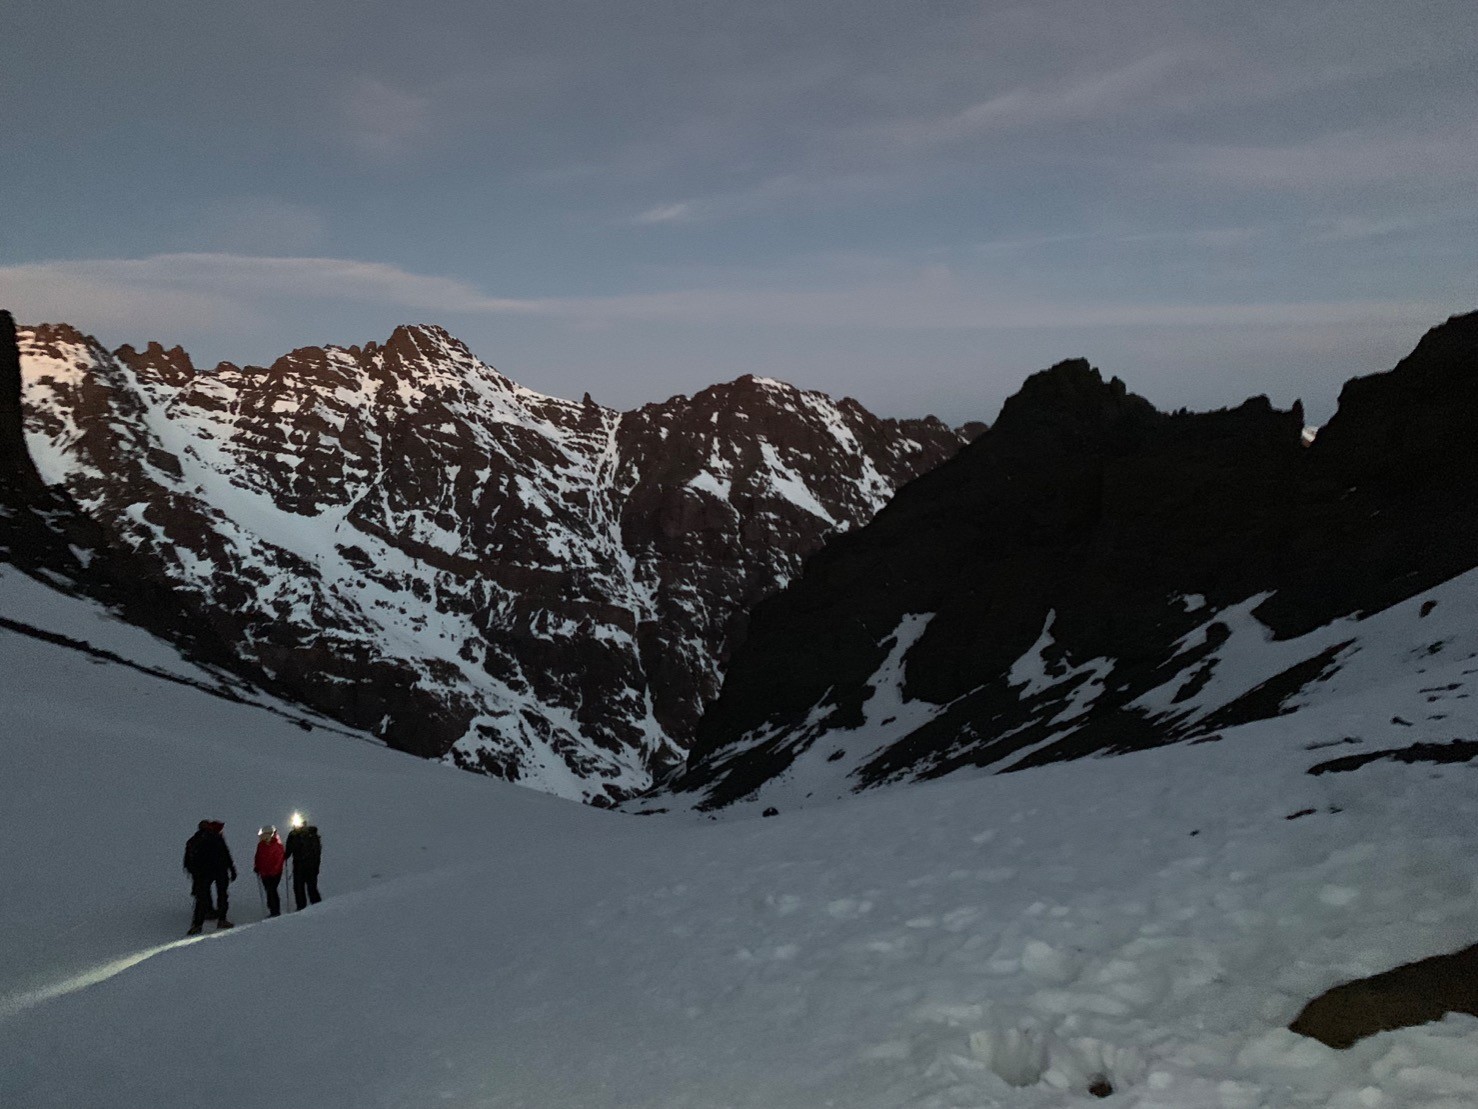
pixel 1093 576
pixel 1151 922
pixel 1421 654
pixel 403 538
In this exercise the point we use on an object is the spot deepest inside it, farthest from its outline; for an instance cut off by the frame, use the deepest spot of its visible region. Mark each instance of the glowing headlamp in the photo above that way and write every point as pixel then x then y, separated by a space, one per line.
pixel 297 820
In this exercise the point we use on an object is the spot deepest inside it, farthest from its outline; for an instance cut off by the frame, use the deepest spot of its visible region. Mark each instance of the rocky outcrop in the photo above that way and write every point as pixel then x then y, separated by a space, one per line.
pixel 40 528
pixel 1066 584
pixel 1413 994
pixel 19 480
pixel 404 539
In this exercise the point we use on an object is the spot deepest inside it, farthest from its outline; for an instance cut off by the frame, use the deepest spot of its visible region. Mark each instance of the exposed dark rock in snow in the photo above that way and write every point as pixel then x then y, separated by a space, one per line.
pixel 1459 750
pixel 1408 995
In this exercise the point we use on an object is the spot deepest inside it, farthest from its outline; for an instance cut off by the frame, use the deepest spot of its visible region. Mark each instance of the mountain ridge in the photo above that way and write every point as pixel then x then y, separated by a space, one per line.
pixel 1025 600
pixel 405 539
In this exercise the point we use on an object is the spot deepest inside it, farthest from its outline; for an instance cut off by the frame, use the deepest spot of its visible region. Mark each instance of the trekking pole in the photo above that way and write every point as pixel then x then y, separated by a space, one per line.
pixel 262 894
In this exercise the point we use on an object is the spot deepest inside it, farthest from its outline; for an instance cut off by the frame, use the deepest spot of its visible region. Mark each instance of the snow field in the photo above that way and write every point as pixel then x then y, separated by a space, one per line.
pixel 1152 921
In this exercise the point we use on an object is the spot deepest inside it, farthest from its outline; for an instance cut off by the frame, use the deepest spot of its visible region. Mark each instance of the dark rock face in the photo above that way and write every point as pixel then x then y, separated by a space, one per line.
pixel 1024 601
pixel 40 529
pixel 20 484
pixel 44 533
pixel 402 538
pixel 1413 994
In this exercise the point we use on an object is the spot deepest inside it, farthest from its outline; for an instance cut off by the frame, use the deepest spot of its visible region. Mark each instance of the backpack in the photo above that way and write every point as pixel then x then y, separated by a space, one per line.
pixel 206 854
pixel 307 847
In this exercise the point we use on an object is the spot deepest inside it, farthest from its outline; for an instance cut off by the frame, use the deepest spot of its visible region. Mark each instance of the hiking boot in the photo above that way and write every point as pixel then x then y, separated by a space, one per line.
pixel 195 930
pixel 224 923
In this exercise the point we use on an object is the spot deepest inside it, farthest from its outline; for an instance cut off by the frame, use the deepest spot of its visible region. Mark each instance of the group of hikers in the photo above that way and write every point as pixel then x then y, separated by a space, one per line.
pixel 211 869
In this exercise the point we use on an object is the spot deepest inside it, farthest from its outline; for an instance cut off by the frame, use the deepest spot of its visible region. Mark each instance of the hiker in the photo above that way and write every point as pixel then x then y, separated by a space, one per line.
pixel 268 866
pixel 305 849
pixel 208 862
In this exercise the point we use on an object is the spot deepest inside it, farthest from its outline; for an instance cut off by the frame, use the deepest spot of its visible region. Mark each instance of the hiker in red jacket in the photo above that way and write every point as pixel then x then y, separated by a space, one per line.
pixel 268 866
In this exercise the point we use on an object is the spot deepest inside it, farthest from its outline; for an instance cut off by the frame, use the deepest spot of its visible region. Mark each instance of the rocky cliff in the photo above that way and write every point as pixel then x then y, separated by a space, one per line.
pixel 1094 576
pixel 402 538
pixel 41 530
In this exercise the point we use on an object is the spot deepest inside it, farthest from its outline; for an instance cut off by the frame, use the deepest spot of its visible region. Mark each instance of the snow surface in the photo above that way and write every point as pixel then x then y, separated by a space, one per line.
pixel 990 941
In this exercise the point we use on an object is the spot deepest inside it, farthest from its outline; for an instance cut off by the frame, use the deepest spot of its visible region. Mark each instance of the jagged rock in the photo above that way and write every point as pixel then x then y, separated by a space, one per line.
pixel 399 536
pixel 1018 599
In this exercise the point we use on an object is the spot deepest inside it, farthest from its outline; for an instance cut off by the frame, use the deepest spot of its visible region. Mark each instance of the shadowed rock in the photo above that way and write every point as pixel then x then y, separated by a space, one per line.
pixel 1413 994
pixel 1084 520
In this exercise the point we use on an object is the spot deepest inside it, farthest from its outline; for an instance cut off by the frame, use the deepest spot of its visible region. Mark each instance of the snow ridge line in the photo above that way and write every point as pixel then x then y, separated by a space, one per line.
pixel 225 693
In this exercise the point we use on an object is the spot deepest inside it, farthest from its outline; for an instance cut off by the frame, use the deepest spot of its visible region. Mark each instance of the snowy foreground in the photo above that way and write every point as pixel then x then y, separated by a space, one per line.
pixel 998 941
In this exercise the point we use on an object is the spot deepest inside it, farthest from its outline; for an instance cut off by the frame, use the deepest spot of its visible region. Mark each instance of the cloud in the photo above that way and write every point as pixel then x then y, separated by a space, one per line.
pixel 893 158
pixel 220 290
pixel 111 294
pixel 382 121
pixel 1341 161
pixel 1210 238
pixel 204 288
pixel 1077 101
pixel 681 212
pixel 825 187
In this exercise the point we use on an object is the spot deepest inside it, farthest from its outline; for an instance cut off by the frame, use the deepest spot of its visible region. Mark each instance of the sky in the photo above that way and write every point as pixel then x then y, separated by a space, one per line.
pixel 916 204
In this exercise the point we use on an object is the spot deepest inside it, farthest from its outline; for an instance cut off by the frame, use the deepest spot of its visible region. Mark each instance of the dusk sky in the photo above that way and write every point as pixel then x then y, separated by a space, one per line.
pixel 916 204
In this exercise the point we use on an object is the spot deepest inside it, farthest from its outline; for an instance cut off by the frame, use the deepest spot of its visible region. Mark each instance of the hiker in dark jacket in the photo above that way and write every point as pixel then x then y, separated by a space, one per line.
pixel 305 849
pixel 208 862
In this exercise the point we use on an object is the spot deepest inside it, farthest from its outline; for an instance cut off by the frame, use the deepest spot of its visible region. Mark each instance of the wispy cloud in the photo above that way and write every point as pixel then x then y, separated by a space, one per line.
pixel 1358 227
pixel 1210 238
pixel 1345 160
pixel 892 158
pixel 225 290
pixel 1076 101
pixel 681 212
pixel 381 120
pixel 164 287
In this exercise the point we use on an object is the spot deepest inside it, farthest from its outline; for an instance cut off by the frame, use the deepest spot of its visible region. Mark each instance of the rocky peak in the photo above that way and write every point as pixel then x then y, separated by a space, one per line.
pixel 404 539
pixel 171 367
pixel 412 345
pixel 424 340
pixel 972 430
pixel 1070 407
pixel 47 335
pixel 1393 422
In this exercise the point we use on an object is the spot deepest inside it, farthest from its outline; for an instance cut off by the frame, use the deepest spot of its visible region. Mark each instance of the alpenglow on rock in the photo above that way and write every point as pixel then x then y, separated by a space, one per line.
pixel 406 540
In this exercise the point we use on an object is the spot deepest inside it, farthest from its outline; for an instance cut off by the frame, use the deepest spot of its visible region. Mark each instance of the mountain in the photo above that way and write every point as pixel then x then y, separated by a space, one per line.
pixel 405 540
pixel 1093 576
